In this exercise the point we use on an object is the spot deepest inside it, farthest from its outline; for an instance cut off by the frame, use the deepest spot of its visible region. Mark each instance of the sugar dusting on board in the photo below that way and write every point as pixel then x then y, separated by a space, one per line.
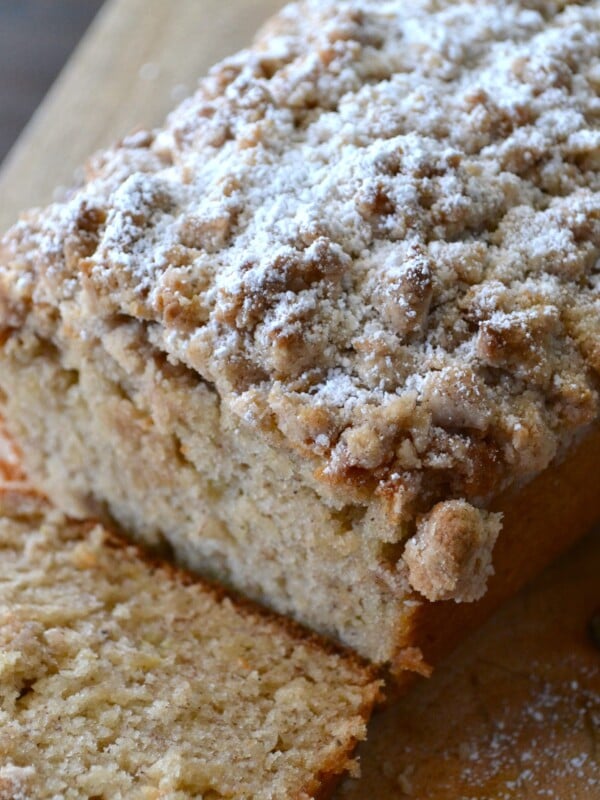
pixel 513 715
pixel 562 720
pixel 551 744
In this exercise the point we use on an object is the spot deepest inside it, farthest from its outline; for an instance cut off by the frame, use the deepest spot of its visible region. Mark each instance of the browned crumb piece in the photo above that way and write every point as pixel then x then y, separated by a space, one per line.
pixel 450 556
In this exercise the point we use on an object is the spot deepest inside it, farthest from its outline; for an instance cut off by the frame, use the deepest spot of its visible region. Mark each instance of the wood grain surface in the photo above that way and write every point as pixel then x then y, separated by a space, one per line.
pixel 515 713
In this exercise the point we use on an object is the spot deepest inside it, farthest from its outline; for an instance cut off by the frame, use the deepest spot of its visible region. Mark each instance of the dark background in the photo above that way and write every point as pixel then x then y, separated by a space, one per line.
pixel 36 38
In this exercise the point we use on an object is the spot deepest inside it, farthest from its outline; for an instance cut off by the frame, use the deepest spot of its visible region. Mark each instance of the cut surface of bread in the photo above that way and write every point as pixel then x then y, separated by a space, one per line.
pixel 310 332
pixel 122 678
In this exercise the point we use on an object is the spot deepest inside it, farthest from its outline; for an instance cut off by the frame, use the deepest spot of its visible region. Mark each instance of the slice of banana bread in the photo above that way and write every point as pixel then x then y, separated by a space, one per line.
pixel 122 678
pixel 310 331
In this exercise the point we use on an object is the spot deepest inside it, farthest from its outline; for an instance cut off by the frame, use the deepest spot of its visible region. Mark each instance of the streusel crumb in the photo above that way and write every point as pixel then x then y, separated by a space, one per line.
pixel 450 556
pixel 378 201
pixel 374 237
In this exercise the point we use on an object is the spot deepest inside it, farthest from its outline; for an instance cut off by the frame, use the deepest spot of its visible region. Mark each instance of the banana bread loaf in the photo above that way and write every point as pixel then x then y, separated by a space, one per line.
pixel 309 333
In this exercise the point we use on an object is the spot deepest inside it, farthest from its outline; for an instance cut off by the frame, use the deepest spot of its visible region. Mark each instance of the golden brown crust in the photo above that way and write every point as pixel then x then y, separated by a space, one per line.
pixel 541 521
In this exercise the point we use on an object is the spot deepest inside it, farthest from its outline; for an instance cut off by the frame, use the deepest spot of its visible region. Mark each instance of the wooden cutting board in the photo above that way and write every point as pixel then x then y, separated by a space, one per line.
pixel 515 713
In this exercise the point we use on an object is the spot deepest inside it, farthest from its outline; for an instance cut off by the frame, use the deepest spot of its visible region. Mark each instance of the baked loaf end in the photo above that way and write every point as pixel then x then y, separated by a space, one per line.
pixel 354 277
pixel 121 678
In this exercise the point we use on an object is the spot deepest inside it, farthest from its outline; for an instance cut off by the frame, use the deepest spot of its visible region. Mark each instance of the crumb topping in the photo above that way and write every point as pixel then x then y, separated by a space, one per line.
pixel 376 233
pixel 450 556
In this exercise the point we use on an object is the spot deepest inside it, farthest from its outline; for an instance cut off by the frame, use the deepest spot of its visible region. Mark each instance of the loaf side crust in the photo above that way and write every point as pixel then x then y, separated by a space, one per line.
pixel 542 520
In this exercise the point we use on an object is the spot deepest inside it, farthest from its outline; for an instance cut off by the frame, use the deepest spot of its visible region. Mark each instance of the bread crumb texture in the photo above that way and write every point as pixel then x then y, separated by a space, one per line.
pixel 376 233
pixel 119 679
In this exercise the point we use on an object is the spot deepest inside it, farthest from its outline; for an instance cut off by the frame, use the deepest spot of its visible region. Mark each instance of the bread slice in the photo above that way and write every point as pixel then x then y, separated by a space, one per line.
pixel 309 333
pixel 123 678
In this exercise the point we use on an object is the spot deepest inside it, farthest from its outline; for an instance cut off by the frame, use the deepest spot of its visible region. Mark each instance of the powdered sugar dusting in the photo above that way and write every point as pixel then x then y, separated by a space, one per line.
pixel 376 232
pixel 511 758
